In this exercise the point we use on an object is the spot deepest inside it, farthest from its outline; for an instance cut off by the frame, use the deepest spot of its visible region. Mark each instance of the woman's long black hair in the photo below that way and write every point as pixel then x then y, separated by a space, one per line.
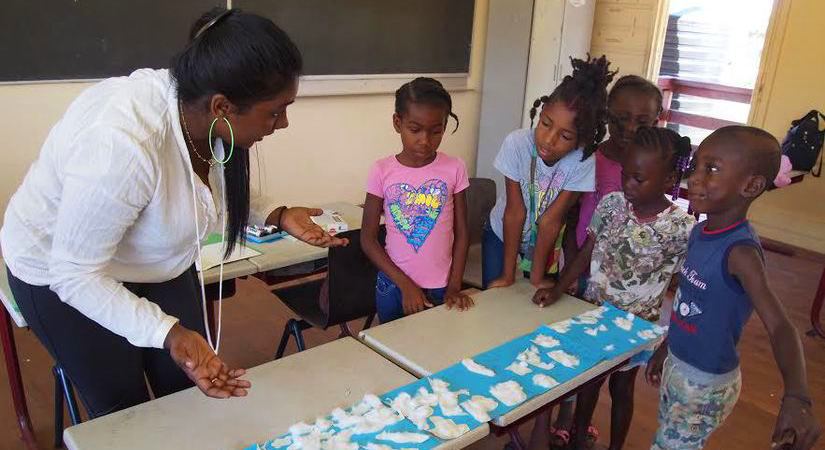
pixel 248 59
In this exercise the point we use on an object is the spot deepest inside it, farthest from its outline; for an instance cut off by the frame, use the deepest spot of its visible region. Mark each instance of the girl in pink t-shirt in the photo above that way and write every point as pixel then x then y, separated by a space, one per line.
pixel 421 194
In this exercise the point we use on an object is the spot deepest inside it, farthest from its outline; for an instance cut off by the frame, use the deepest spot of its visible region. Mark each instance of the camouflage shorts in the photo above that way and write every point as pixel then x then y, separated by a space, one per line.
pixel 688 411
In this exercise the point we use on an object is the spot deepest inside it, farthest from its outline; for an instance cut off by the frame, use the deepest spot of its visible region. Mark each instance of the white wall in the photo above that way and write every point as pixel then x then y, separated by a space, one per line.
pixel 28 113
pixel 505 74
pixel 324 155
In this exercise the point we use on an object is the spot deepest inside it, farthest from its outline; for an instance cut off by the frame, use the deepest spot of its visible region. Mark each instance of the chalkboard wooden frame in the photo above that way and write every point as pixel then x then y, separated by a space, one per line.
pixel 28 63
pixel 92 39
pixel 371 37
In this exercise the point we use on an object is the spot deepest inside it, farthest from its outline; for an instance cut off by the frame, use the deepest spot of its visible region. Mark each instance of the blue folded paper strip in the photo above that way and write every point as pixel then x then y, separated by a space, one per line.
pixel 523 369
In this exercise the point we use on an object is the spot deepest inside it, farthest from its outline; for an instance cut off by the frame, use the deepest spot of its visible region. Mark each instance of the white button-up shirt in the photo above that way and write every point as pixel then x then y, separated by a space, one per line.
pixel 109 200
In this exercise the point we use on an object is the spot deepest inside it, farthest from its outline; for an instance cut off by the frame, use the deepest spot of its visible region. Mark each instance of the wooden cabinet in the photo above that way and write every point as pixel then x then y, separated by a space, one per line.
pixel 560 30
pixel 626 31
pixel 528 49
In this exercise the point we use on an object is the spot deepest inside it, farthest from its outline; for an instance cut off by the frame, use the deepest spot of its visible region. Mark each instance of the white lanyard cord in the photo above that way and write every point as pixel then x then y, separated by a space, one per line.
pixel 206 326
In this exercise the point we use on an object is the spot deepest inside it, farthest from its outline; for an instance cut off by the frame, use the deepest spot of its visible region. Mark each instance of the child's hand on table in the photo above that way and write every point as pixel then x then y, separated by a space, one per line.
pixel 457 299
pixel 544 296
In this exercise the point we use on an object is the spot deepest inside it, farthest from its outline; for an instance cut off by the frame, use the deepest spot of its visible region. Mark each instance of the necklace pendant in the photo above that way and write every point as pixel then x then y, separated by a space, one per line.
pixel 212 162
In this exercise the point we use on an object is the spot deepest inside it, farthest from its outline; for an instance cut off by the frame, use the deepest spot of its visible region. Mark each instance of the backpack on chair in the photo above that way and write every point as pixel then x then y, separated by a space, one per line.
pixel 803 143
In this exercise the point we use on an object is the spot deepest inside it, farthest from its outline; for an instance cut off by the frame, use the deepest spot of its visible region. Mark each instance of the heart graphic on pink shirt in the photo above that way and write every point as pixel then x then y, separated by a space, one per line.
pixel 415 211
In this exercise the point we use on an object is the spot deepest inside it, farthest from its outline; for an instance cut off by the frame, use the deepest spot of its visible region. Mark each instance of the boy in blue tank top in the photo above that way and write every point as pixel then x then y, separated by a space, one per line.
pixel 723 280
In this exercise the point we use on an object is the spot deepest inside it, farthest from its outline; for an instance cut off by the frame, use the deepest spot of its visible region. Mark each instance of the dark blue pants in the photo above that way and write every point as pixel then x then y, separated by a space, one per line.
pixel 492 256
pixel 388 298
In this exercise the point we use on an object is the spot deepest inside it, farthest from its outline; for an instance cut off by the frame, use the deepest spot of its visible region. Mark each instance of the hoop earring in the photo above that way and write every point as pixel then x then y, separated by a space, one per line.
pixel 231 145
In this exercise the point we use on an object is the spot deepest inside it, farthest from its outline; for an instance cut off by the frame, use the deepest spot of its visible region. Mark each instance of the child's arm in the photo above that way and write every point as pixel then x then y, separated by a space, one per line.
pixel 461 244
pixel 570 245
pixel 570 274
pixel 514 216
pixel 412 297
pixel 549 226
pixel 653 371
pixel 795 417
pixel 673 284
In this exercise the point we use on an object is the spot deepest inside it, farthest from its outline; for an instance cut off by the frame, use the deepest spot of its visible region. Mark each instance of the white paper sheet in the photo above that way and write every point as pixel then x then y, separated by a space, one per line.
pixel 213 253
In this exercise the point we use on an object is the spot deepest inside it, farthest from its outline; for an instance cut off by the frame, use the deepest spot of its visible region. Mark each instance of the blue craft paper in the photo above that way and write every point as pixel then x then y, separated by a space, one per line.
pixel 590 350
pixel 412 390
pixel 363 439
pixel 400 427
pixel 619 338
pixel 502 356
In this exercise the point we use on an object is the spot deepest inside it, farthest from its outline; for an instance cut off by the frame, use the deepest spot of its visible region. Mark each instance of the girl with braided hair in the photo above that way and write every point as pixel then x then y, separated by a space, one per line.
pixel 636 242
pixel 546 169
pixel 633 103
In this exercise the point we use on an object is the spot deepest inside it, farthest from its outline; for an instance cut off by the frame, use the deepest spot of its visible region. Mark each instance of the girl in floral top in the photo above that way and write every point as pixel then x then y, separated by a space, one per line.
pixel 636 242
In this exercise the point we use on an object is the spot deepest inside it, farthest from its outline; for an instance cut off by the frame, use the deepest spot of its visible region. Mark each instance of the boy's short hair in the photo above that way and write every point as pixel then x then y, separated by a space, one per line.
pixel 761 148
